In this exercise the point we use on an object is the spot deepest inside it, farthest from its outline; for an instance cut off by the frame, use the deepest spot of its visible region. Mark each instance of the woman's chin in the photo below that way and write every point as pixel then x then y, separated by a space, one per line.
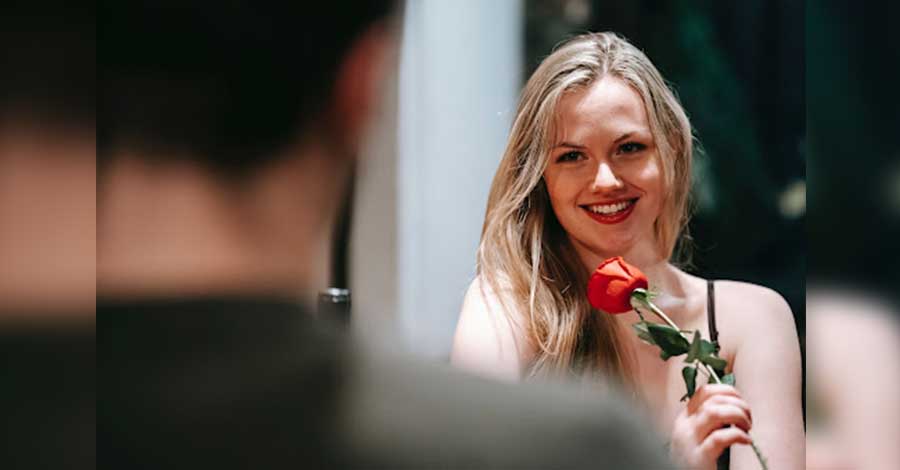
pixel 601 251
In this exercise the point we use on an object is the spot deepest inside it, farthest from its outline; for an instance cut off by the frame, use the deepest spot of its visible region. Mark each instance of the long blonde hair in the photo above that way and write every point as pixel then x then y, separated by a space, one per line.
pixel 524 255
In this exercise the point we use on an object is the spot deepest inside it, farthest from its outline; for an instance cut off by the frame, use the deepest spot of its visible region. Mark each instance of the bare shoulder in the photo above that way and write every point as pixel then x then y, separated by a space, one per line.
pixel 757 325
pixel 746 297
pixel 739 292
pixel 491 336
pixel 745 309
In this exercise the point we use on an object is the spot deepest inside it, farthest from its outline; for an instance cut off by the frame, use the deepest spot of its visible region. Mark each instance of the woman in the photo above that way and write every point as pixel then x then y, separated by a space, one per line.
pixel 598 165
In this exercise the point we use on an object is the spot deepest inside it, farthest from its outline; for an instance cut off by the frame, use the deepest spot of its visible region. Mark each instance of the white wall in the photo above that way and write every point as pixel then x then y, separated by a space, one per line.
pixel 421 193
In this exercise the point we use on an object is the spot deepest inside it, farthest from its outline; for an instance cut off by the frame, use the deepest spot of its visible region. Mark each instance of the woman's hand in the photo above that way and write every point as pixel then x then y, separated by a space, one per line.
pixel 700 434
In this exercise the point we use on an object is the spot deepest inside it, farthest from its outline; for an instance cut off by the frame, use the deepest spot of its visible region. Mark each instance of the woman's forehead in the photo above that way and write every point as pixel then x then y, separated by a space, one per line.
pixel 608 106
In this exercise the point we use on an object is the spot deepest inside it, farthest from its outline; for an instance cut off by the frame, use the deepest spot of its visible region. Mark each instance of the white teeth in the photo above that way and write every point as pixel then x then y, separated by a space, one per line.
pixel 609 208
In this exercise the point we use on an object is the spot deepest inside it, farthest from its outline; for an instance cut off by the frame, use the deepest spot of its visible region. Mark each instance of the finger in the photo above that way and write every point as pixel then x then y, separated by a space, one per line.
pixel 716 443
pixel 706 392
pixel 732 400
pixel 713 417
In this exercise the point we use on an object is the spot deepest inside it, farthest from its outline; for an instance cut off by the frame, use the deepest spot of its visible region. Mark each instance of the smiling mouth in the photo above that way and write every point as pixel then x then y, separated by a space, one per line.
pixel 611 213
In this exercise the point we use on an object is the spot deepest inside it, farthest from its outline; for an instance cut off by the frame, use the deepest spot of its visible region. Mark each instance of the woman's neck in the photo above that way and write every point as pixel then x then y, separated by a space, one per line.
pixel 175 229
pixel 665 280
pixel 645 256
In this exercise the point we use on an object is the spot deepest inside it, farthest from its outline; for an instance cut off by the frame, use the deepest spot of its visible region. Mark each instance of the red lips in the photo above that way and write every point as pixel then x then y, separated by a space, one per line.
pixel 615 217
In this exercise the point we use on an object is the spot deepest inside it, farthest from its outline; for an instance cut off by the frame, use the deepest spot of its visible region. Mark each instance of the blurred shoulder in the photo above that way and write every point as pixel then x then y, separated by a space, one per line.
pixel 480 292
pixel 491 300
pixel 488 294
pixel 744 308
pixel 735 293
pixel 491 334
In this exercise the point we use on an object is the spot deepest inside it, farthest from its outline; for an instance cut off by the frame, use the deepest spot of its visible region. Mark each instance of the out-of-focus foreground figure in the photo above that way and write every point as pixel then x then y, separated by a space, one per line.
pixel 47 227
pixel 853 342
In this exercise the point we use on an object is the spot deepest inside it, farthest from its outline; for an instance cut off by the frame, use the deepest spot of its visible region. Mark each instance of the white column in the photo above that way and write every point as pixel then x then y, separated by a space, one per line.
pixel 459 79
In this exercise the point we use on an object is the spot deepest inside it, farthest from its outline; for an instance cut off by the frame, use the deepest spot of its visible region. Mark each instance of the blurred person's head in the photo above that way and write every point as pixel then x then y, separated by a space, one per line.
pixel 47 233
pixel 552 210
pixel 47 162
pixel 227 132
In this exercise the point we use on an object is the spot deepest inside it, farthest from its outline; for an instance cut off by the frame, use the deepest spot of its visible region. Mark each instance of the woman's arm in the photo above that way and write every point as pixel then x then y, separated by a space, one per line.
pixel 767 367
pixel 489 340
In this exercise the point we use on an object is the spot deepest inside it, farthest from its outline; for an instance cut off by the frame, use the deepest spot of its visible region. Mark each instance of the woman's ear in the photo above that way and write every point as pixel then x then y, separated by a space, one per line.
pixel 359 79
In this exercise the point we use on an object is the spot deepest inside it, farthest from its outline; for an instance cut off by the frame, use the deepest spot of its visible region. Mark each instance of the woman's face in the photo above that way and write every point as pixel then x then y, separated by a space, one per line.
pixel 604 177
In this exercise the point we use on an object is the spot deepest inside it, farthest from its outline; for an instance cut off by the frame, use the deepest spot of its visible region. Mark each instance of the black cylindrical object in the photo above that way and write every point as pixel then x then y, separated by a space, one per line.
pixel 334 304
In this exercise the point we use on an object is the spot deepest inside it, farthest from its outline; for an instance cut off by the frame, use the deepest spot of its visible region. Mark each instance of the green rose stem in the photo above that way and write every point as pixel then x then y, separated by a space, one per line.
pixel 641 298
pixel 644 300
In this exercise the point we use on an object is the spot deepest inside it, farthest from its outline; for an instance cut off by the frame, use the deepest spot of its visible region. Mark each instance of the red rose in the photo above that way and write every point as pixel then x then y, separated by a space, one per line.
pixel 611 285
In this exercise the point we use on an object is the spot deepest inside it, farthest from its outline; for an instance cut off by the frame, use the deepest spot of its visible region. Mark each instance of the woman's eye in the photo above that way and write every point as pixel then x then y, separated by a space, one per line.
pixel 631 147
pixel 569 157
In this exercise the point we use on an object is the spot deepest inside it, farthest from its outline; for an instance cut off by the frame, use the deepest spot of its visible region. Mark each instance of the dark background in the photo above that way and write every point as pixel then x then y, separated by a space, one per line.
pixel 854 128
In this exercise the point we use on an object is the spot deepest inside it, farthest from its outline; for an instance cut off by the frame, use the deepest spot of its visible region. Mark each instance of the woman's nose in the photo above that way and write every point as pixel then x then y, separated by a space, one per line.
pixel 606 179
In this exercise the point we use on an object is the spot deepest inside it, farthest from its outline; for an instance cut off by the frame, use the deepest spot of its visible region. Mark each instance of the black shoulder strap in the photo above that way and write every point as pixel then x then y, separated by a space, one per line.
pixel 711 312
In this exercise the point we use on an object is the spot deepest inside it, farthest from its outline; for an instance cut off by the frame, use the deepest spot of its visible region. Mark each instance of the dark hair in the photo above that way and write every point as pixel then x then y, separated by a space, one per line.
pixel 48 61
pixel 227 83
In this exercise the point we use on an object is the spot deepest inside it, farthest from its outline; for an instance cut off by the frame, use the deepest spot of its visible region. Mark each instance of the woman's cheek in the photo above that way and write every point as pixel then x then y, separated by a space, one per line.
pixel 650 171
pixel 560 188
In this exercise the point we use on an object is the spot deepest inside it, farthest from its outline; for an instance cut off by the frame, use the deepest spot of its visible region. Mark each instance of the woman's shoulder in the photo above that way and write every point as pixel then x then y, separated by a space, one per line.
pixel 492 300
pixel 748 296
pixel 491 335
pixel 744 309
pixel 483 290
pixel 738 294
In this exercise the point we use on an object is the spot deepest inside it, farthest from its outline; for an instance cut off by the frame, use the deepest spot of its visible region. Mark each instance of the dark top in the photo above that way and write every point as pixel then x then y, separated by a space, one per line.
pixel 47 388
pixel 243 383
pixel 724 460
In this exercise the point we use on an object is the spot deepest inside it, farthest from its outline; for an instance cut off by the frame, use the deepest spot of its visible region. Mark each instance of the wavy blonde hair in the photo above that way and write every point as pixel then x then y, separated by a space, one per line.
pixel 524 255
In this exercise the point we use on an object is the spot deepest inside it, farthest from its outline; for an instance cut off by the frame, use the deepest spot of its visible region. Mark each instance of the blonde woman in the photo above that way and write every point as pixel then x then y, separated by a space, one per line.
pixel 598 165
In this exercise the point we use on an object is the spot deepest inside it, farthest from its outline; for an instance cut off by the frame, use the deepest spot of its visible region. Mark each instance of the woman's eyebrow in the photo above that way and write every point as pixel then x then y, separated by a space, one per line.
pixel 623 137
pixel 569 144
pixel 634 134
